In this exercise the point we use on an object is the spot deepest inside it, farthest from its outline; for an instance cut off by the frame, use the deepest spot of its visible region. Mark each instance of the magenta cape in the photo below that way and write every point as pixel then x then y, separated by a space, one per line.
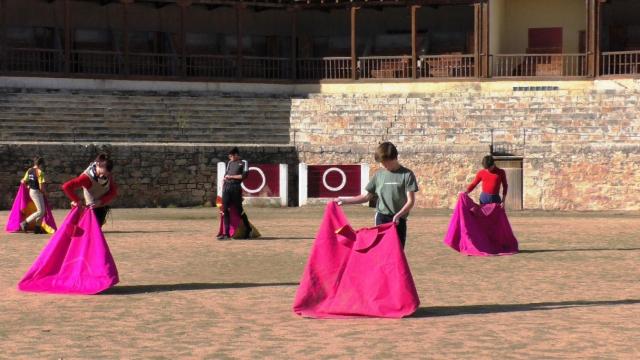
pixel 355 273
pixel 236 227
pixel 75 261
pixel 480 230
pixel 23 206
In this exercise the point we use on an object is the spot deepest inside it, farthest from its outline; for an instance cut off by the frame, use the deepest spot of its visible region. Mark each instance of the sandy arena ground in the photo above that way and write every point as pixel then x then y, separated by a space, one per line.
pixel 573 293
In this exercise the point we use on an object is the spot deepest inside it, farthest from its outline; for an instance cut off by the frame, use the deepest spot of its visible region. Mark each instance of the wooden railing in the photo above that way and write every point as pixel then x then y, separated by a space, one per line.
pixel 620 63
pixel 446 66
pixel 329 68
pixel 96 62
pixel 256 67
pixel 384 67
pixel 148 64
pixel 111 63
pixel 33 60
pixel 529 65
pixel 212 66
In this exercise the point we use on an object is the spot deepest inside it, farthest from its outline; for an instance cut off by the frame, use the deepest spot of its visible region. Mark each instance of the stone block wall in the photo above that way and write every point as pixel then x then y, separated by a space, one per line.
pixel 580 148
pixel 147 175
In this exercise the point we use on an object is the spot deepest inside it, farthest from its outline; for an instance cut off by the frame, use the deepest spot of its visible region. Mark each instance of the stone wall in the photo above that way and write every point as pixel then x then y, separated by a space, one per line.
pixel 147 175
pixel 580 147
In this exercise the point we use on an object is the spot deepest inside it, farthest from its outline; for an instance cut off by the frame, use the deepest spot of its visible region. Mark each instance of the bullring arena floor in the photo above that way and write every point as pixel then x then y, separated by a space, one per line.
pixel 573 292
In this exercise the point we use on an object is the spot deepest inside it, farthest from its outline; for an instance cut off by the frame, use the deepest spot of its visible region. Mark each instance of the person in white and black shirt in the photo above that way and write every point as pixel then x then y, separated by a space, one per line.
pixel 232 192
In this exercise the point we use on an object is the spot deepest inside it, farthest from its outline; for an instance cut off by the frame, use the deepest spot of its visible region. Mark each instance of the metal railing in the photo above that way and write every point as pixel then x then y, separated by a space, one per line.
pixel 446 66
pixel 620 63
pixel 274 68
pixel 529 65
pixel 323 68
pixel 96 62
pixel 34 60
pixel 148 64
pixel 212 66
pixel 384 67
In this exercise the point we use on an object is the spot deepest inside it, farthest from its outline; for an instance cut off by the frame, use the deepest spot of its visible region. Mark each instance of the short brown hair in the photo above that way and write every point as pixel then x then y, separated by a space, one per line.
pixel 386 151
pixel 488 161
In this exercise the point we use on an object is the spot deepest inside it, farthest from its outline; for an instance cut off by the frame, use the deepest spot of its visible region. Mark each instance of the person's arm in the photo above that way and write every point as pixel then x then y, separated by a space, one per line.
pixel 411 200
pixel 69 188
pixel 42 183
pixel 109 196
pixel 505 186
pixel 360 199
pixel 25 177
pixel 474 183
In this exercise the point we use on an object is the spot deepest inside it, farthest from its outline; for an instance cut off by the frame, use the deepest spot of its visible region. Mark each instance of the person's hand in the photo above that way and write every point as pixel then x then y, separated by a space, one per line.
pixel 396 218
pixel 74 204
pixel 338 201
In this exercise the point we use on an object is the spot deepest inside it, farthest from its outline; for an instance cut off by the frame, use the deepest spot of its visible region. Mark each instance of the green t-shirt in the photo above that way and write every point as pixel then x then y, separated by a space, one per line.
pixel 391 188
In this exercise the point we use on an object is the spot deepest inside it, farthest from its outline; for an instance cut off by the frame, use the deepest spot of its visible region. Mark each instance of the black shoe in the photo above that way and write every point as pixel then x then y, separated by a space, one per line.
pixel 38 230
pixel 23 227
pixel 223 237
pixel 248 234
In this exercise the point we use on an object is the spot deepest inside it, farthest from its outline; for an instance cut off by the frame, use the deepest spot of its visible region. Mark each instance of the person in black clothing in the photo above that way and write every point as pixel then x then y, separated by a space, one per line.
pixel 232 192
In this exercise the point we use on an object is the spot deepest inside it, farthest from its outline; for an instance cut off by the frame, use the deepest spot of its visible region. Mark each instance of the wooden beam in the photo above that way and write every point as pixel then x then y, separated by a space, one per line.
pixel 477 36
pixel 125 36
pixel 183 40
pixel 239 10
pixel 354 64
pixel 294 42
pixel 414 53
pixel 67 37
pixel 484 45
pixel 597 51
pixel 3 35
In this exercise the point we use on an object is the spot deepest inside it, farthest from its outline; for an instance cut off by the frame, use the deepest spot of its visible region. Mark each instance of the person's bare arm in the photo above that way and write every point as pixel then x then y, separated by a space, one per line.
pixel 360 199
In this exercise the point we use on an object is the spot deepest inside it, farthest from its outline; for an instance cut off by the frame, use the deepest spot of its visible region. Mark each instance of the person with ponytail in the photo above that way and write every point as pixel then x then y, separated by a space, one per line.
pixel 34 180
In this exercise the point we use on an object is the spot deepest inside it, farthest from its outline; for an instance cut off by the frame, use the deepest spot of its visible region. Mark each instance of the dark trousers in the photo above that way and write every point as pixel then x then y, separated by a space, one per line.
pixel 232 197
pixel 101 214
pixel 489 199
pixel 401 226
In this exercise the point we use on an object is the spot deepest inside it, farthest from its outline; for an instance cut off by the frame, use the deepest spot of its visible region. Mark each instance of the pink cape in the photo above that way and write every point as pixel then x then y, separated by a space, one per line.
pixel 23 206
pixel 480 230
pixel 75 261
pixel 355 273
pixel 236 227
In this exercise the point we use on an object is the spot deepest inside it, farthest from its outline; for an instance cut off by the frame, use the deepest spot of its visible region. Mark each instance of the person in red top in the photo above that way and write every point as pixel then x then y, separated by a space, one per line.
pixel 98 188
pixel 491 177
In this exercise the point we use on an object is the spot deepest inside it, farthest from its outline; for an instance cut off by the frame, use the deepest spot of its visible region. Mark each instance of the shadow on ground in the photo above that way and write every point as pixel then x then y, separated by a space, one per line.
pixel 153 288
pixel 506 308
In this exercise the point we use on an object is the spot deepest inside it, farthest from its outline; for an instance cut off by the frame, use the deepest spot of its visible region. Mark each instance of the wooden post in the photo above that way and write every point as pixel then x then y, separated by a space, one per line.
pixel 484 45
pixel 125 35
pixel 183 4
pixel 3 35
pixel 354 63
pixel 414 54
pixel 477 31
pixel 294 42
pixel 594 8
pixel 239 8
pixel 67 37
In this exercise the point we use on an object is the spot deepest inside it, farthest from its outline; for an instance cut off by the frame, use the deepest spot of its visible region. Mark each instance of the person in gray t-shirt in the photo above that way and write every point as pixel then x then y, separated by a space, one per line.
pixel 395 186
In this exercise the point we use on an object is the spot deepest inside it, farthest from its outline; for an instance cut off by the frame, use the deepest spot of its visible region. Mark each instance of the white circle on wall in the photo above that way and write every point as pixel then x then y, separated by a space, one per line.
pixel 264 181
pixel 339 171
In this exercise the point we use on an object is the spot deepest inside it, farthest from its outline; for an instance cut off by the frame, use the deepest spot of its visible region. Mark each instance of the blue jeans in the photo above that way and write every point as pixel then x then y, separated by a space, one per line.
pixel 489 198
pixel 401 226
